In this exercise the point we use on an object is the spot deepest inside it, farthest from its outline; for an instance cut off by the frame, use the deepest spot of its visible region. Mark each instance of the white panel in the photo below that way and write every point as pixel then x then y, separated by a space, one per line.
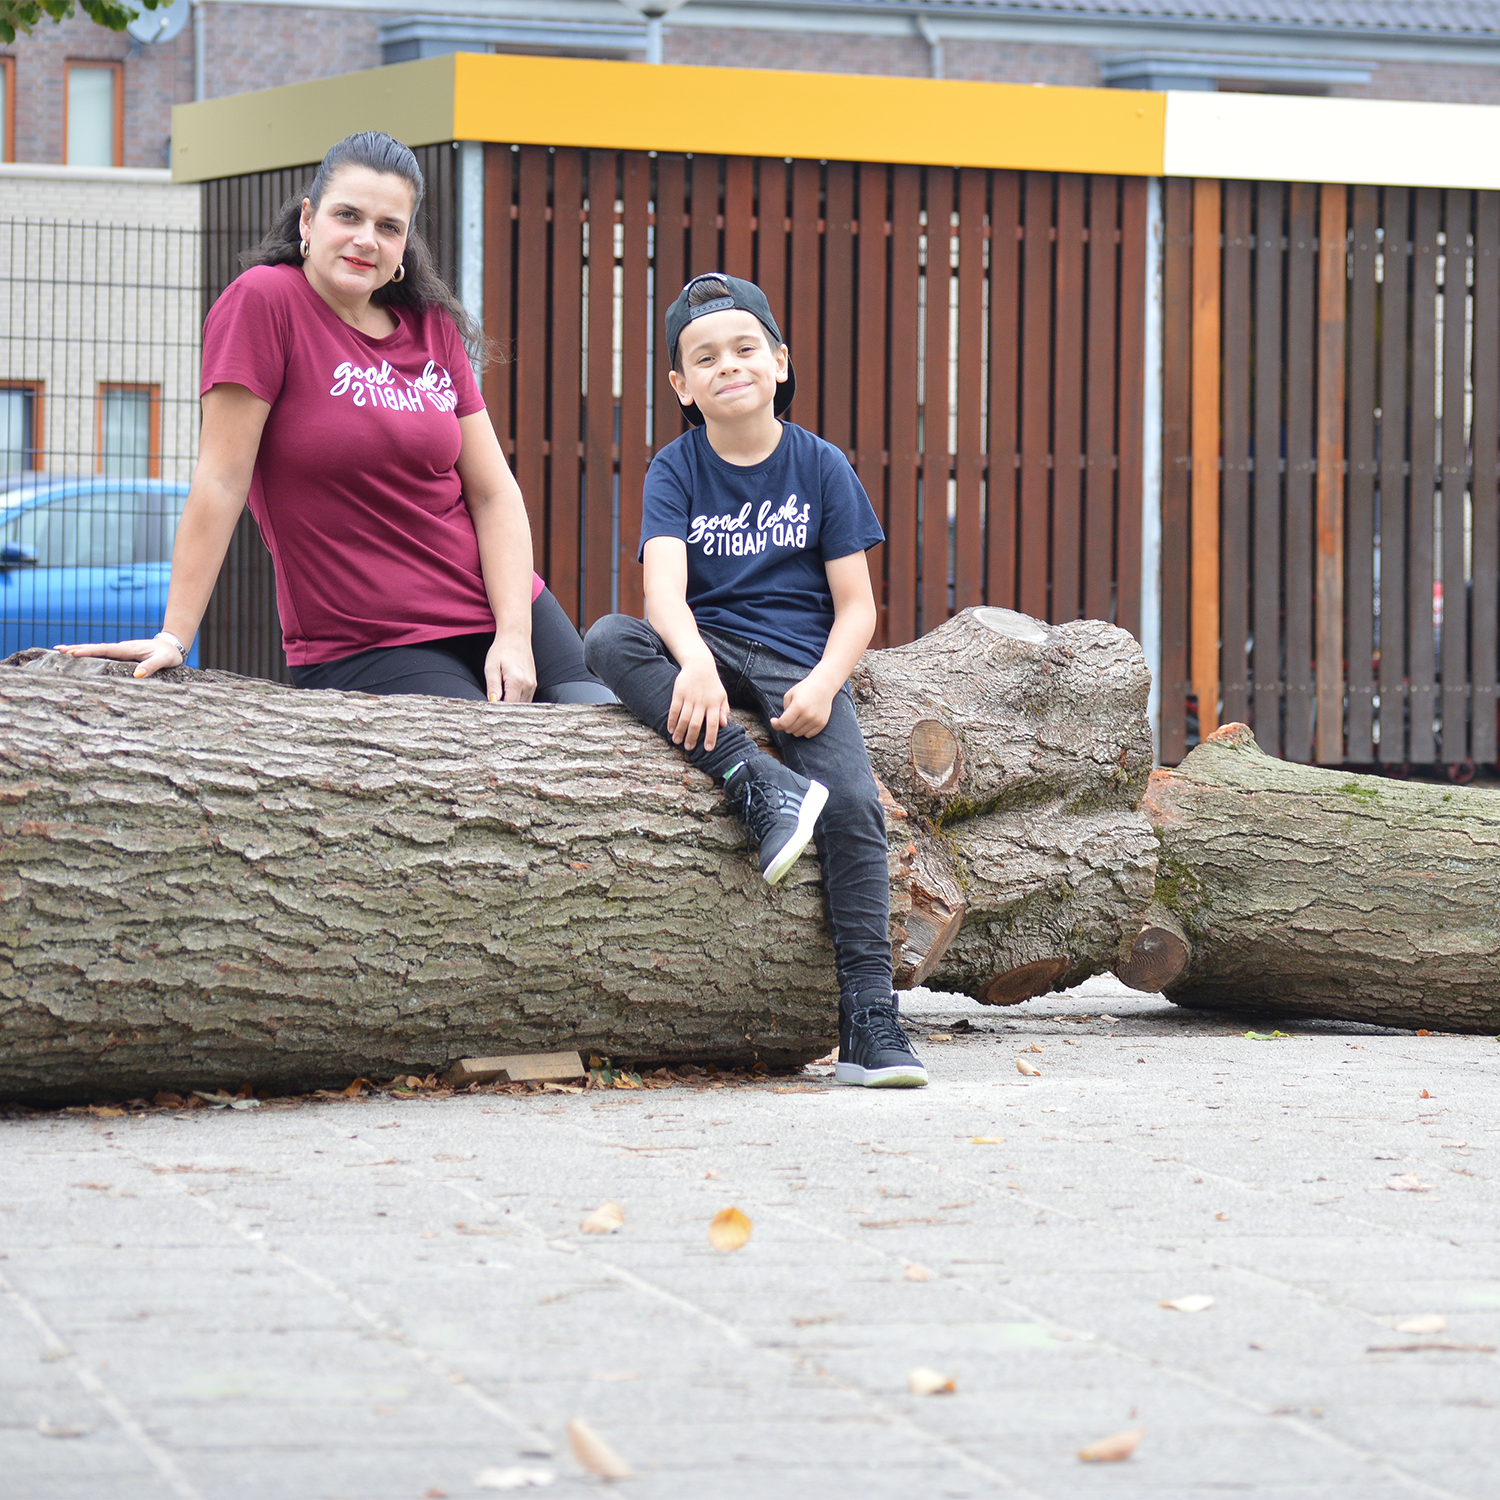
pixel 91 117
pixel 1283 138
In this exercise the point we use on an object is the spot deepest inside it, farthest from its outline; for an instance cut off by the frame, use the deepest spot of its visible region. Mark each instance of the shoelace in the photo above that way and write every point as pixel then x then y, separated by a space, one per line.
pixel 881 1025
pixel 764 804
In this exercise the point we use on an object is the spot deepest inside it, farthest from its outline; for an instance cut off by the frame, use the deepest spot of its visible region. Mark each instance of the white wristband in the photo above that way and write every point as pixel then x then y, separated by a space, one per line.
pixel 171 640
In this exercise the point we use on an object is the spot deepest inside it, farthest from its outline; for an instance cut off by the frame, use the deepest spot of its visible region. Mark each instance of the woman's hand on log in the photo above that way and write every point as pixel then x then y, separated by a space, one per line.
pixel 698 702
pixel 154 655
pixel 510 669
pixel 805 709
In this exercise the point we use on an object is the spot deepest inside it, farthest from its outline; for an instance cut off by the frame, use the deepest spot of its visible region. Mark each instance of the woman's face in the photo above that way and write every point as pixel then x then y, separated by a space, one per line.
pixel 357 236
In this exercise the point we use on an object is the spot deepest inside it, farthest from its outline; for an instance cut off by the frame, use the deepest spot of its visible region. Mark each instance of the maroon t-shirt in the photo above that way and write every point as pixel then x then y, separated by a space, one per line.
pixel 354 486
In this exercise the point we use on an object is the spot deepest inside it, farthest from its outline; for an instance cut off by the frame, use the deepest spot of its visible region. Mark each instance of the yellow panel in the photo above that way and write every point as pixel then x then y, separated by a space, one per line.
pixel 285 127
pixel 844 117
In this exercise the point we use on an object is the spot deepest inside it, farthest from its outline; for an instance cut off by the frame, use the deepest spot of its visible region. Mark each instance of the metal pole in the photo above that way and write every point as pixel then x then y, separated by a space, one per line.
pixel 653 38
pixel 200 46
pixel 470 277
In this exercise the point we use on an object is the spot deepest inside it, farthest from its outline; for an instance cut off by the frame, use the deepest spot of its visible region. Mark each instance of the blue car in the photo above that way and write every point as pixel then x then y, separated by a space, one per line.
pixel 85 559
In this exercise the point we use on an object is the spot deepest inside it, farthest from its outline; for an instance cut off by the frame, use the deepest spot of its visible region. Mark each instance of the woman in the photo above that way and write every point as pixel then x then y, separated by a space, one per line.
pixel 339 400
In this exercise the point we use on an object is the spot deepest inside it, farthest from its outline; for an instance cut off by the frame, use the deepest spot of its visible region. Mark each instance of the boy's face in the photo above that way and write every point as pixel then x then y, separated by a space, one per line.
pixel 729 369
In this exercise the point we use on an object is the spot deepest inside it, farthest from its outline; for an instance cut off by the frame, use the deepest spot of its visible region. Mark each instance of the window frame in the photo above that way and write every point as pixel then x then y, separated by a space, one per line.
pixel 38 392
pixel 8 120
pixel 153 422
pixel 117 154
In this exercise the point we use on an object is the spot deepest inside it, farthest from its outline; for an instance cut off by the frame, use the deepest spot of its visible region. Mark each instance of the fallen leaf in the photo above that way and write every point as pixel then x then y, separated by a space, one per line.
pixel 594 1454
pixel 105 1112
pixel 1113 1020
pixel 1421 1032
pixel 606 1219
pixel 1425 1348
pixel 1221 1216
pixel 924 1382
pixel 1117 1446
pixel 1197 1302
pixel 48 1428
pixel 1267 1036
pixel 356 1088
pixel 1029 1069
pixel 1033 1048
pixel 984 1140
pixel 1454 1145
pixel 512 1479
pixel 1407 1182
pixel 729 1230
pixel 914 1272
pixel 1424 1095
pixel 1427 1323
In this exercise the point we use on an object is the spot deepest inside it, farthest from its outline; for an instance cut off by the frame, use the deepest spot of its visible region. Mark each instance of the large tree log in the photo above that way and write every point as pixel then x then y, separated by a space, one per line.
pixel 208 880
pixel 1308 892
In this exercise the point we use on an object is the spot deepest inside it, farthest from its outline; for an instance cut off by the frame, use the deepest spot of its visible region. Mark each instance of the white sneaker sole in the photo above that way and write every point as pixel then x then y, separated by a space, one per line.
pixel 807 817
pixel 903 1076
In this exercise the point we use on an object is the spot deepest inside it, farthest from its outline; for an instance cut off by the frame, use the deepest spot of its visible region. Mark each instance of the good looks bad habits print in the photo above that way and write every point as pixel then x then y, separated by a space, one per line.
pixel 732 535
pixel 432 390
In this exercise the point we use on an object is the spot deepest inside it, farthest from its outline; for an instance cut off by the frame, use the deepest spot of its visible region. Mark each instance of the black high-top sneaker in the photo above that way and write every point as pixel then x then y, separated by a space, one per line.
pixel 778 806
pixel 873 1048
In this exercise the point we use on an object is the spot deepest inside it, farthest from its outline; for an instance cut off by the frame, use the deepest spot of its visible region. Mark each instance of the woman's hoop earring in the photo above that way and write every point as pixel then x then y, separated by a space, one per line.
pixel 399 274
pixel 306 249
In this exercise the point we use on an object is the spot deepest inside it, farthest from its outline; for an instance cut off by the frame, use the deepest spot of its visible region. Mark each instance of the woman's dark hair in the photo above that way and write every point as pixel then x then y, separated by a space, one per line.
pixel 422 286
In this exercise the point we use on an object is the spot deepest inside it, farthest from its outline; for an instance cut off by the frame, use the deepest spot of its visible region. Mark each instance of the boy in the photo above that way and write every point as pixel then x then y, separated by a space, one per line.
pixel 753 538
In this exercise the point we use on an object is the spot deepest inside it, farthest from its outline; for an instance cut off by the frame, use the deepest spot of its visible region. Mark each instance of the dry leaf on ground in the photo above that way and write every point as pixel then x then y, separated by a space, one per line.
pixel 1195 1303
pixel 594 1454
pixel 48 1428
pixel 514 1479
pixel 914 1272
pixel 924 1382
pixel 1427 1323
pixel 605 1219
pixel 1029 1069
pixel 1406 1182
pixel 1033 1048
pixel 729 1230
pixel 1112 1449
pixel 984 1140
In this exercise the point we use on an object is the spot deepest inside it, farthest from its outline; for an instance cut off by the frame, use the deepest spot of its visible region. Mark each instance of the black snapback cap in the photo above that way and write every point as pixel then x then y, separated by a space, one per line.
pixel 746 297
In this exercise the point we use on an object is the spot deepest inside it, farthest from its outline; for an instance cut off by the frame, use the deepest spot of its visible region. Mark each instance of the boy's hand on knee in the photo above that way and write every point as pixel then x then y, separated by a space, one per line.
pixel 805 709
pixel 699 702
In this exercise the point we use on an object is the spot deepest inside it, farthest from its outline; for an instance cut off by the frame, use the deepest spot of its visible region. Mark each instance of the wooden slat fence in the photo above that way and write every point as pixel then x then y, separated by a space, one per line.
pixel 1331 419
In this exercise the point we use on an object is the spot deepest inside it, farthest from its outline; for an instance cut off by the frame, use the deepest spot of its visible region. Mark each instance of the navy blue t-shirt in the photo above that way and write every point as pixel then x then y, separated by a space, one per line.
pixel 757 537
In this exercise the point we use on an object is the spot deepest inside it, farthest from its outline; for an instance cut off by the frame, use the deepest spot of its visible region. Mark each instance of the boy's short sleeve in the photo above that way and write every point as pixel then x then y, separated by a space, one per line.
pixel 849 523
pixel 666 499
pixel 247 337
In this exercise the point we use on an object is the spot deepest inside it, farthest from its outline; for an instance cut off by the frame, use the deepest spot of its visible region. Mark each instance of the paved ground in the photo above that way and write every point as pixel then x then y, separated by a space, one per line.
pixel 389 1298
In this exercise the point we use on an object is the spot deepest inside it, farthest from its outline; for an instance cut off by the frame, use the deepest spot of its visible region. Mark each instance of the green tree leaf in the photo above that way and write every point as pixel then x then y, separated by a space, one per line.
pixel 22 16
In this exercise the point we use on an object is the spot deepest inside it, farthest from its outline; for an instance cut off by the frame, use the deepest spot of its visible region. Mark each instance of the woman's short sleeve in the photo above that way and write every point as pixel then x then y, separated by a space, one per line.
pixel 246 336
pixel 465 387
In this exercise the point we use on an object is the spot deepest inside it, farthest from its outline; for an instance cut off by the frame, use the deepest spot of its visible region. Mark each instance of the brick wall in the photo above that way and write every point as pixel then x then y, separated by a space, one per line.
pixel 82 197
pixel 264 46
pixel 1444 83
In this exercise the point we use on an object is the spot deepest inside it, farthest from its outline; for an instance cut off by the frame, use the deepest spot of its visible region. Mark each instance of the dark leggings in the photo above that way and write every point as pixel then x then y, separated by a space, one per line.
pixel 454 667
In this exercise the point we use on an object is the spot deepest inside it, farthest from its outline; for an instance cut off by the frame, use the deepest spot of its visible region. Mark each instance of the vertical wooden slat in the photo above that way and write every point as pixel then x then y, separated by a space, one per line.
pixel 1455 473
pixel 1421 650
pixel 530 374
pixel 968 526
pixel 935 452
pixel 805 294
pixel 1301 353
pixel 1235 541
pixel 1203 628
pixel 667 421
pixel 704 253
pixel 838 307
pixel 1360 540
pixel 599 429
pixel 1130 385
pixel 1099 443
pixel 1001 511
pixel 1394 310
pixel 739 214
pixel 870 373
pixel 901 527
pixel 636 374
pixel 1485 480
pixel 499 304
pixel 1333 286
pixel 1176 459
pixel 1067 401
pixel 564 552
pixel 770 235
pixel 1036 387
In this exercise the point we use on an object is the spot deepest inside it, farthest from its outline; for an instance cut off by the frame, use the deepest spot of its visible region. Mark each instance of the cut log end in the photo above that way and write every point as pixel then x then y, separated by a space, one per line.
pixel 930 930
pixel 935 754
pixel 1008 622
pixel 1024 983
pixel 1157 958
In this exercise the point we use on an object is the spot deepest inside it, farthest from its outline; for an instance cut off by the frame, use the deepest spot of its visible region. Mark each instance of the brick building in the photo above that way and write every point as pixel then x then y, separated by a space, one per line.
pixel 118 94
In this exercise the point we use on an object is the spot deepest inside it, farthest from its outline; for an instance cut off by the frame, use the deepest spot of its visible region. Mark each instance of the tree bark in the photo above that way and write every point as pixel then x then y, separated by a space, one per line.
pixel 1308 892
pixel 210 880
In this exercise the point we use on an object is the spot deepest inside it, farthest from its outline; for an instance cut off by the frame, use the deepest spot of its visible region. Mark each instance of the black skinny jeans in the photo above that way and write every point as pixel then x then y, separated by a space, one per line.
pixel 631 658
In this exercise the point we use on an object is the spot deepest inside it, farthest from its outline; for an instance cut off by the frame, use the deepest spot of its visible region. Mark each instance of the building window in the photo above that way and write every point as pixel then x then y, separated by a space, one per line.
pixel 130 431
pixel 7 109
pixel 94 116
pixel 20 427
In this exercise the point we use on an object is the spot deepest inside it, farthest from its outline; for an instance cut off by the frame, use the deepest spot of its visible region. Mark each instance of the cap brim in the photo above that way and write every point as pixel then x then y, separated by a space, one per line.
pixel 784 393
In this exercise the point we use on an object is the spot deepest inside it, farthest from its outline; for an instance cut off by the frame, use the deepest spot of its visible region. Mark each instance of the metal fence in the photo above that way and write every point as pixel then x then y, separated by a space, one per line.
pixel 98 425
